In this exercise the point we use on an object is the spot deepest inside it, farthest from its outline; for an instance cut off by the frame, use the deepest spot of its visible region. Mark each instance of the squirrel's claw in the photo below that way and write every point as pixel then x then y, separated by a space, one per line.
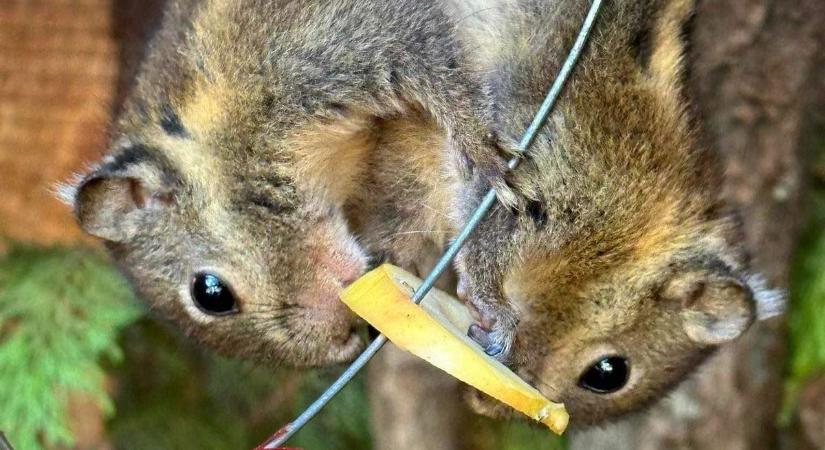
pixel 496 339
pixel 487 158
pixel 496 322
pixel 491 346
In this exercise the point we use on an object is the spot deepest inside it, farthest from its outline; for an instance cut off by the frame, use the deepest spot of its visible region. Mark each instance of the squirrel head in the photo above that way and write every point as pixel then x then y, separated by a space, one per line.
pixel 252 268
pixel 614 335
pixel 205 206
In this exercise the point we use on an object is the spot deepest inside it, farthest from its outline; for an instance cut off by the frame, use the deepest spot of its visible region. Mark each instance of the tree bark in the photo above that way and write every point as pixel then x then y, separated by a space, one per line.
pixel 413 406
pixel 753 64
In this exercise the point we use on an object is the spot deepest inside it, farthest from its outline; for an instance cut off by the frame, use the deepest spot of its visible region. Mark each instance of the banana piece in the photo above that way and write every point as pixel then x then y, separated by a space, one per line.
pixel 436 331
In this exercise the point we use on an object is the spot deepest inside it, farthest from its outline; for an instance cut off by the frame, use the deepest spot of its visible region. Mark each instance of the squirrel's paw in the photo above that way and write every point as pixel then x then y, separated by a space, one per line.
pixel 495 331
pixel 488 161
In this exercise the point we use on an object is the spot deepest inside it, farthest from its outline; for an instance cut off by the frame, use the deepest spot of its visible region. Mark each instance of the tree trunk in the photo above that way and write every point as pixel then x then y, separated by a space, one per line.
pixel 753 63
pixel 413 405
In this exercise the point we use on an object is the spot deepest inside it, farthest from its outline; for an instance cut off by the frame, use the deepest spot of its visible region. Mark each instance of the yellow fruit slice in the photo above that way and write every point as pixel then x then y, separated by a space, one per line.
pixel 436 331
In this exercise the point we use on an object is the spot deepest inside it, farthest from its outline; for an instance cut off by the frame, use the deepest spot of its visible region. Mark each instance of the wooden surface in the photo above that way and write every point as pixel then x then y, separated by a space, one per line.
pixel 58 70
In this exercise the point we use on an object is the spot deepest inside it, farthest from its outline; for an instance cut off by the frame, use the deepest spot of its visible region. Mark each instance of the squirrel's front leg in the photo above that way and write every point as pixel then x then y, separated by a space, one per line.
pixel 481 270
pixel 497 321
pixel 482 153
pixel 457 103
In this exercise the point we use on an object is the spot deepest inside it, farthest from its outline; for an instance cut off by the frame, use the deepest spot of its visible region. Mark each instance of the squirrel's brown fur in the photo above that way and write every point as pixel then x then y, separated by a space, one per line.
pixel 249 124
pixel 245 144
pixel 620 245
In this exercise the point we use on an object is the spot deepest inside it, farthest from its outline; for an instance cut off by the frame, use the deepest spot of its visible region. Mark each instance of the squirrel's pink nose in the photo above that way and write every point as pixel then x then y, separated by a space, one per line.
pixel 344 265
pixel 348 272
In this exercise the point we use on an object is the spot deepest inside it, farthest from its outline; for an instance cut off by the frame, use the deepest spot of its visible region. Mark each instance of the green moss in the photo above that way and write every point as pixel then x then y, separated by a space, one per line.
pixel 806 315
pixel 60 310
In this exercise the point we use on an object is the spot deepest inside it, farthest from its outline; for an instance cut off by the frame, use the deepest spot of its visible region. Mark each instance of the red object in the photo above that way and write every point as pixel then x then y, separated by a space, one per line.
pixel 277 435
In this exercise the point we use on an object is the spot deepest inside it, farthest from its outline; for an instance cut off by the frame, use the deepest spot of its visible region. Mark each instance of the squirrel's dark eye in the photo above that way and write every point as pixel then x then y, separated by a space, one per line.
pixel 606 375
pixel 212 296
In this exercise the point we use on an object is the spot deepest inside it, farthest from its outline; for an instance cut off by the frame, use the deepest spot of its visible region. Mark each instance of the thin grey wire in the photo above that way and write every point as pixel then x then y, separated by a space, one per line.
pixel 489 199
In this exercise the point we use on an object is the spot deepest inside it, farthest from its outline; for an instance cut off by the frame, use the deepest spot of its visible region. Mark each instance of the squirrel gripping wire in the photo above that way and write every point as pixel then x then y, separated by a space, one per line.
pixel 288 430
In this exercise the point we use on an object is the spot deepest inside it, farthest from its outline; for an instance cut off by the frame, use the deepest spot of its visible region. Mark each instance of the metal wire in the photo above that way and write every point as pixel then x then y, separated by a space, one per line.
pixel 487 202
pixel 4 443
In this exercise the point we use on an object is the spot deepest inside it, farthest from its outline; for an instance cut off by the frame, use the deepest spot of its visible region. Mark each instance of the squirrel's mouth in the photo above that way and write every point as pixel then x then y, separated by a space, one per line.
pixel 347 350
pixel 372 332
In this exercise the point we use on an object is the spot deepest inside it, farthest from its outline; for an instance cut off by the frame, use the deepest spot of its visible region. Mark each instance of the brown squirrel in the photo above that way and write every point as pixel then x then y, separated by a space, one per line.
pixel 620 269
pixel 247 128
pixel 614 268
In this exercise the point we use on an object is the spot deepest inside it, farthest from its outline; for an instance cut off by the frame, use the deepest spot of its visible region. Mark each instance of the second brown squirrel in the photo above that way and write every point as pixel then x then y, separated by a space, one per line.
pixel 621 269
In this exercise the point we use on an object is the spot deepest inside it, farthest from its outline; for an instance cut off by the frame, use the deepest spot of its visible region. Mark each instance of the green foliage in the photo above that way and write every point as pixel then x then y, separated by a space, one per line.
pixel 807 319
pixel 173 395
pixel 60 310
pixel 806 316
pixel 163 400
pixel 347 415
pixel 520 436
pixel 491 434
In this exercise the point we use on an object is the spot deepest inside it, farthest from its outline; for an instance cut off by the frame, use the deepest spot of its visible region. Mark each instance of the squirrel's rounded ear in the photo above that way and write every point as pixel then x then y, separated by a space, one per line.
pixel 110 206
pixel 714 309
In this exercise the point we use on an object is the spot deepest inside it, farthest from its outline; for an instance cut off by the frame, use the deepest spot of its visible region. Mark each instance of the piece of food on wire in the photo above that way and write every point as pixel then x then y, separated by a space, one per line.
pixel 436 331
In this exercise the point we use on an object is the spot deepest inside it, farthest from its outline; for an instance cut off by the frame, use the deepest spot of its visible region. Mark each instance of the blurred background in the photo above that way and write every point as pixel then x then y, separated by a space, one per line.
pixel 82 365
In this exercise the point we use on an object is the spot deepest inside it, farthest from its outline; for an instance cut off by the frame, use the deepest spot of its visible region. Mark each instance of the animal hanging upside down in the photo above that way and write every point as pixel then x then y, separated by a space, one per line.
pixel 249 125
pixel 620 269
pixel 269 147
